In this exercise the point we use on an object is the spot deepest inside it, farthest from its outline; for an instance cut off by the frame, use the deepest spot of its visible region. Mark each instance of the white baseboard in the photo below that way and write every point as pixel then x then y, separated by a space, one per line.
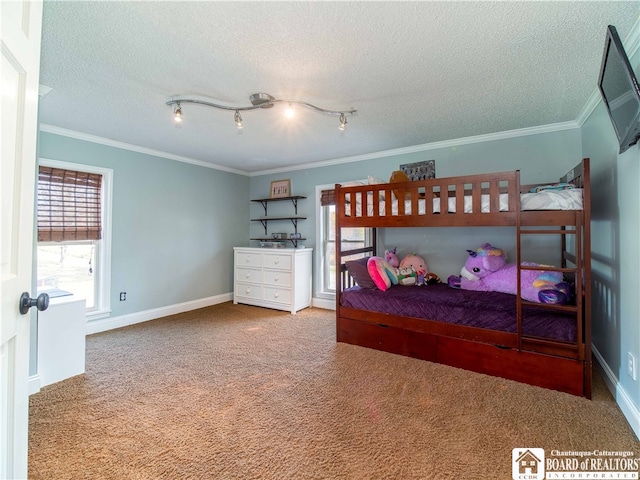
pixel 326 303
pixel 103 325
pixel 34 384
pixel 624 401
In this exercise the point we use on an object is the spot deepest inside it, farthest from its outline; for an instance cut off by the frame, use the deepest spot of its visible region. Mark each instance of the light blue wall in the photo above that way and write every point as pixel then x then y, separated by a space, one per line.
pixel 541 157
pixel 174 224
pixel 616 253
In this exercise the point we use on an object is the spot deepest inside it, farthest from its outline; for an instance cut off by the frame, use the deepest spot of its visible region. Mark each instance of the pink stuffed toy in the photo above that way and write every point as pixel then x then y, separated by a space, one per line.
pixel 417 263
pixel 487 270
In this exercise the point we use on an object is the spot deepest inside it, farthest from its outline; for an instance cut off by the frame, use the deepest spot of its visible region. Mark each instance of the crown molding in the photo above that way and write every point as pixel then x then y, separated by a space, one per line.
pixel 522 132
pixel 134 148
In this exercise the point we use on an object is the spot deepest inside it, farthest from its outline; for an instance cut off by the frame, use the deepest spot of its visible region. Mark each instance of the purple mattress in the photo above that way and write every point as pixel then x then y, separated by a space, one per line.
pixel 491 310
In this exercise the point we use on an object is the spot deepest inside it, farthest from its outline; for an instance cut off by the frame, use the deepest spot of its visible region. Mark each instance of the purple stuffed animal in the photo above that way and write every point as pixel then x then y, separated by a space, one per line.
pixel 487 270
pixel 391 258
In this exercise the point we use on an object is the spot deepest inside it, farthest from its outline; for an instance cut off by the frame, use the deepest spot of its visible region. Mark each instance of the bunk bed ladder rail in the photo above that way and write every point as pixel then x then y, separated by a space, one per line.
pixel 577 271
pixel 580 176
pixel 518 221
pixel 577 259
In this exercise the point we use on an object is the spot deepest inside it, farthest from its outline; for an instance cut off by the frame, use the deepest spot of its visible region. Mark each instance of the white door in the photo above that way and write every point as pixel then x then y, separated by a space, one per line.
pixel 20 44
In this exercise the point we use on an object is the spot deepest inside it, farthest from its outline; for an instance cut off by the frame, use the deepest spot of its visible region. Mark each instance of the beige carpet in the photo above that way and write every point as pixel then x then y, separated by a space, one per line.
pixel 237 392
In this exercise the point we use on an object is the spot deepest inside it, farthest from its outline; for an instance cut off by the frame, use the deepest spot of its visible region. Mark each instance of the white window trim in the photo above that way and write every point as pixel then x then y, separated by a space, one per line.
pixel 321 292
pixel 319 280
pixel 103 299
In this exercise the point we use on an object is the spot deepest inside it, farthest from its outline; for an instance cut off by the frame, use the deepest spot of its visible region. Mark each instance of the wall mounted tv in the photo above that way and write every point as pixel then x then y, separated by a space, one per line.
pixel 619 88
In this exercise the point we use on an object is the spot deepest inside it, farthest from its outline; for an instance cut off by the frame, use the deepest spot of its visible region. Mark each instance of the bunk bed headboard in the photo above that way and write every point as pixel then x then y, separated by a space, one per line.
pixel 577 174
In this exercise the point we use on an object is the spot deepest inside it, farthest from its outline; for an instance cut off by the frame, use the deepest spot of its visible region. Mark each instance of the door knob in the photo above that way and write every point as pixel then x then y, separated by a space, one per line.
pixel 26 302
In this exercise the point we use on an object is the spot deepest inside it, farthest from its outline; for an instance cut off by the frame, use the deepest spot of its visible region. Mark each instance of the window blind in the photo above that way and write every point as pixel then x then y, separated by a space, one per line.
pixel 69 205
pixel 327 197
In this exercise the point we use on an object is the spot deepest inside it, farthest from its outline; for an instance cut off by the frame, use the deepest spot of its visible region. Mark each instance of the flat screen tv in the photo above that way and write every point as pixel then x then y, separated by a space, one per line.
pixel 619 88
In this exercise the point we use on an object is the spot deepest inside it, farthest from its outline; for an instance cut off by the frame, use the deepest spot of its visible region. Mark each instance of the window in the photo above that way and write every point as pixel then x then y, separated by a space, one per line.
pixel 352 238
pixel 73 226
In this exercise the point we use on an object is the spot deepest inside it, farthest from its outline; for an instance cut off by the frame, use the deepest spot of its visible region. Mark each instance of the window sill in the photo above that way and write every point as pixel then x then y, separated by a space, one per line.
pixel 326 295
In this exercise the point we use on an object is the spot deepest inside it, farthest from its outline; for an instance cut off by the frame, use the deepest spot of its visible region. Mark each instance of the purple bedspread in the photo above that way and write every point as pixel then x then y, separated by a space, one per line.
pixel 491 310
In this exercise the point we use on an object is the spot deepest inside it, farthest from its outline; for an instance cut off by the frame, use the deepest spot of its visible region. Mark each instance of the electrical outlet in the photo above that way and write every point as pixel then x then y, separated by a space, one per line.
pixel 123 296
pixel 631 368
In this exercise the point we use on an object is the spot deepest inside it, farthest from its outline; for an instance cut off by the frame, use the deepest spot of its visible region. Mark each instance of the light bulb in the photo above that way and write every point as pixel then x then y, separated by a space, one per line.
pixel 238 119
pixel 290 113
pixel 343 122
pixel 177 115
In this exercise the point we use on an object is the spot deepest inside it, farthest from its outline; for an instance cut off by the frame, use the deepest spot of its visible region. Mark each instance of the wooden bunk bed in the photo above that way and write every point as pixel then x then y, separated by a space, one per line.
pixel 514 352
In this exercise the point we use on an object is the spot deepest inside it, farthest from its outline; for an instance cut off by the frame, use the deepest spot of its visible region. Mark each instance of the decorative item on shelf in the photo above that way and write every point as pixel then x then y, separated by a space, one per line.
pixel 262 101
pixel 295 236
pixel 266 244
pixel 420 170
pixel 279 236
pixel 280 188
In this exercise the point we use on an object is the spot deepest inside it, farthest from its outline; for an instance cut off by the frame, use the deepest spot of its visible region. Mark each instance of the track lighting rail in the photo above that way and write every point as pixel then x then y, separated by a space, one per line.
pixel 258 101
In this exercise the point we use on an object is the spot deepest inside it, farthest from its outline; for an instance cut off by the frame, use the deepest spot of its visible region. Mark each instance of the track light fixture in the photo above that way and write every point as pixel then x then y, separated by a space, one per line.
pixel 258 101
pixel 238 119
pixel 343 122
pixel 177 113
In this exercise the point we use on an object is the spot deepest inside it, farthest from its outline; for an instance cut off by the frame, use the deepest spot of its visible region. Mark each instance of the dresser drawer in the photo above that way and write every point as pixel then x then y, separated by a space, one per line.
pixel 282 262
pixel 245 259
pixel 278 295
pixel 248 275
pixel 248 291
pixel 278 278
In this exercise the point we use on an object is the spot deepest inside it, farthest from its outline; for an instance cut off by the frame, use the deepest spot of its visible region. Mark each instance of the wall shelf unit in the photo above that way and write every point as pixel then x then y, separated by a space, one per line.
pixel 294 219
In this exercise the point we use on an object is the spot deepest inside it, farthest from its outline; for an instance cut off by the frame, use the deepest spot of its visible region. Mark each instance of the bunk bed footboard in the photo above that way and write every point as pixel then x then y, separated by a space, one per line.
pixel 433 343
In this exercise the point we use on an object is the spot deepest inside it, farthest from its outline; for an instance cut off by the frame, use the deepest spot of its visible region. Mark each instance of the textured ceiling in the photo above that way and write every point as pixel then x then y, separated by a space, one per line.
pixel 417 72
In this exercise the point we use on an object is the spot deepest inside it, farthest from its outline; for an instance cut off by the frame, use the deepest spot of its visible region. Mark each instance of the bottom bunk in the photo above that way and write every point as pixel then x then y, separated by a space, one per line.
pixel 471 330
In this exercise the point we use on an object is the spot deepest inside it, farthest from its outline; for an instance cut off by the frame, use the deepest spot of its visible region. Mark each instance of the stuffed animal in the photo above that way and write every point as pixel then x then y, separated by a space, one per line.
pixel 407 276
pixel 398 176
pixel 487 270
pixel 382 274
pixel 419 266
pixel 391 257
pixel 431 278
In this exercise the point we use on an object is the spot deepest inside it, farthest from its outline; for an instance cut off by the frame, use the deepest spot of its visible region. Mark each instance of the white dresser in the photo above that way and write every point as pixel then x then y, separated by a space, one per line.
pixel 274 278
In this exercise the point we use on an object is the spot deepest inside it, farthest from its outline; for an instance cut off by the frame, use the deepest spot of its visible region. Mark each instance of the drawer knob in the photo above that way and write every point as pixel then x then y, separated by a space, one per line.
pixel 276 261
pixel 276 295
pixel 248 290
pixel 248 259
pixel 248 275
pixel 276 278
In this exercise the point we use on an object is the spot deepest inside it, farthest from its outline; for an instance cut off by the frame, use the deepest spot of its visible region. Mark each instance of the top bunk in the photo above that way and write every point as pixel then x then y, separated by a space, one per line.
pixel 493 199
